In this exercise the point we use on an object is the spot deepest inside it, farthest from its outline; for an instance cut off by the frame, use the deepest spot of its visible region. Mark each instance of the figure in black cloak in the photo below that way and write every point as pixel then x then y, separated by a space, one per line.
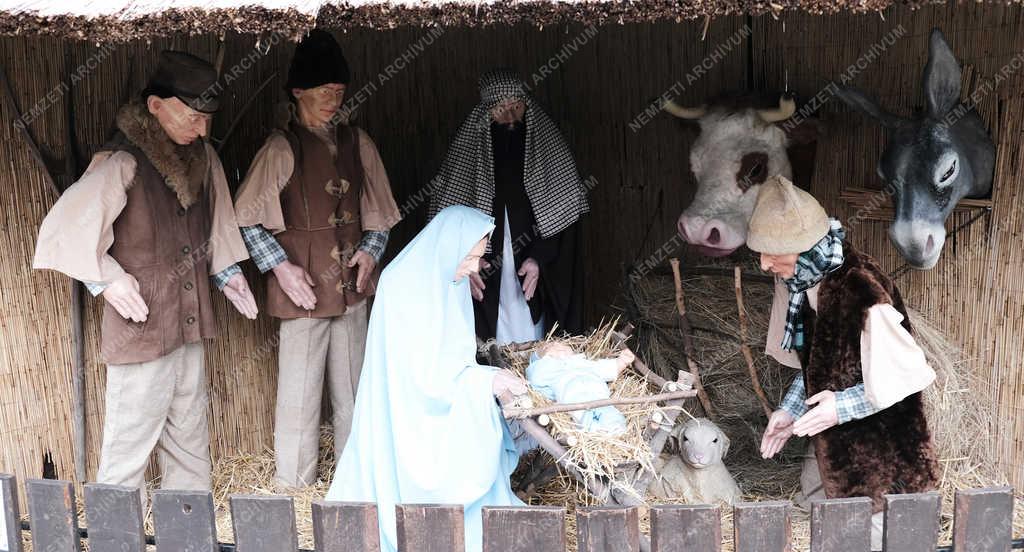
pixel 509 159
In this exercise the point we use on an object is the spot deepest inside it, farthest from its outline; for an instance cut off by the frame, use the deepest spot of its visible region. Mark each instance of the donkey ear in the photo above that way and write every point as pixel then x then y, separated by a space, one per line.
pixel 941 81
pixel 861 102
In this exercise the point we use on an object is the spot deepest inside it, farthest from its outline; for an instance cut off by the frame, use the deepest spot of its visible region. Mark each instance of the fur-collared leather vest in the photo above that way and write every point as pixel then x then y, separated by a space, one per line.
pixel 161 237
pixel 320 205
pixel 889 452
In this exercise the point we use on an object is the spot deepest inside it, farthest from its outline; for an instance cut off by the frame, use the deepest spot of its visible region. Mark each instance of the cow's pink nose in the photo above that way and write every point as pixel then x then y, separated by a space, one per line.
pixel 714 236
pixel 682 230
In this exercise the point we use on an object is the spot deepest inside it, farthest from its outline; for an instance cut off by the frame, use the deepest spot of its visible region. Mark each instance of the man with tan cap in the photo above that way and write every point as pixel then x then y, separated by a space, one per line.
pixel 838 317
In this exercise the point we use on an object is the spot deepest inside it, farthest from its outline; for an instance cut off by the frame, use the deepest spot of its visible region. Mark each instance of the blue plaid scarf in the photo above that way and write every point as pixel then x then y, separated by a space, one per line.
pixel 811 268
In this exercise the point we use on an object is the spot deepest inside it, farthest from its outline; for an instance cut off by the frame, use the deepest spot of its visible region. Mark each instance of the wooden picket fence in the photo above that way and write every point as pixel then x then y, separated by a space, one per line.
pixel 184 522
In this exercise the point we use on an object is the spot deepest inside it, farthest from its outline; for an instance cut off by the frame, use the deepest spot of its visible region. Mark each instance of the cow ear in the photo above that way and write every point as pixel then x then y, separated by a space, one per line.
pixel 861 102
pixel 941 81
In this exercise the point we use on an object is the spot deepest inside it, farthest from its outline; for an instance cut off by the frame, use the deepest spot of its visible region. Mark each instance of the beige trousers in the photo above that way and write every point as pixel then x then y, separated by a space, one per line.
pixel 161 402
pixel 310 347
pixel 812 489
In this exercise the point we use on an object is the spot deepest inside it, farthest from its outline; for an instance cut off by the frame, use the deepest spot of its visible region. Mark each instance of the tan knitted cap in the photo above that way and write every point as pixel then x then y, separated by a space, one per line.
pixel 786 219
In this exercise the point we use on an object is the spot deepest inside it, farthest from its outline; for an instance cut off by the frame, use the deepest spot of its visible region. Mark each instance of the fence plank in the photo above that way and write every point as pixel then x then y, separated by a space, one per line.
pixel 264 523
pixel 841 525
pixel 184 521
pixel 10 515
pixel 114 516
pixel 911 522
pixel 52 512
pixel 608 529
pixel 430 528
pixel 762 526
pixel 983 519
pixel 686 529
pixel 524 529
pixel 345 526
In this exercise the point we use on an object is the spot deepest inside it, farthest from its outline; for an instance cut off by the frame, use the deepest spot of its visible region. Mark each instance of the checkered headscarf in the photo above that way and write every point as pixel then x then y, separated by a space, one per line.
pixel 552 183
pixel 811 268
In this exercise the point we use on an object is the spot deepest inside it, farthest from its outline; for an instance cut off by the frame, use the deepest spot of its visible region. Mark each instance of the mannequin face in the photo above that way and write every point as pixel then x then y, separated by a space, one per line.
pixel 555 349
pixel 181 123
pixel 318 105
pixel 471 264
pixel 508 111
pixel 783 266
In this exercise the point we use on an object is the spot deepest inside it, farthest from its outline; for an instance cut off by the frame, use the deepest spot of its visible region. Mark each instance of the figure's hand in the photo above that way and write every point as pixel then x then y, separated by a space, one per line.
pixel 237 291
pixel 476 282
pixel 819 418
pixel 123 294
pixel 297 284
pixel 779 430
pixel 366 264
pixel 505 380
pixel 626 357
pixel 530 271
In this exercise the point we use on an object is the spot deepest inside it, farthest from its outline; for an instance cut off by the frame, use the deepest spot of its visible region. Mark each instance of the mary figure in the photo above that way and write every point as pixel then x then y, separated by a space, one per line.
pixel 427 428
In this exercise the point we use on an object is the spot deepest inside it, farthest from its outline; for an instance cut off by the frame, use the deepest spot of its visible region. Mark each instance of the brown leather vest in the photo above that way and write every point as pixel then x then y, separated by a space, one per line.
pixel 320 205
pixel 166 248
pixel 889 452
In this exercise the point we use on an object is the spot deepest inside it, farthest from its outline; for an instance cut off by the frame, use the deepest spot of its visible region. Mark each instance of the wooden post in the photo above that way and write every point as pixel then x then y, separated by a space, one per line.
pixel 608 529
pixel 114 515
pixel 688 349
pixel 686 529
pixel 911 522
pixel 53 515
pixel 184 521
pixel 264 523
pixel 345 526
pixel 430 528
pixel 530 529
pixel 10 515
pixel 762 526
pixel 745 347
pixel 983 519
pixel 841 525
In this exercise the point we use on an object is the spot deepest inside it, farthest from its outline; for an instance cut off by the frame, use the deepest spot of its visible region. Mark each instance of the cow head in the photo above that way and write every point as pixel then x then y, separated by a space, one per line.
pixel 737 149
pixel 931 161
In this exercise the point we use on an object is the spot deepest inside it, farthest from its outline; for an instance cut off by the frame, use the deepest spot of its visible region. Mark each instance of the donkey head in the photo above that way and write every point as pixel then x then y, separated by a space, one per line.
pixel 932 160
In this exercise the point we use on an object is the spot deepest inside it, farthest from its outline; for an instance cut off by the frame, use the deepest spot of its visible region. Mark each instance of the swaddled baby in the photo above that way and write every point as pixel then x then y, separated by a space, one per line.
pixel 566 377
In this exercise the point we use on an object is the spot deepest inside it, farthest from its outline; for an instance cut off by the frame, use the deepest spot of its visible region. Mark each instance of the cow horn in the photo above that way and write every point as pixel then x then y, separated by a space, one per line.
pixel 786 109
pixel 684 112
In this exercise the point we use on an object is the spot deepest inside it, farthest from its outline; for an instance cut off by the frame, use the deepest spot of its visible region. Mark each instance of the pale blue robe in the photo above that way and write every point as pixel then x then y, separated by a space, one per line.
pixel 426 427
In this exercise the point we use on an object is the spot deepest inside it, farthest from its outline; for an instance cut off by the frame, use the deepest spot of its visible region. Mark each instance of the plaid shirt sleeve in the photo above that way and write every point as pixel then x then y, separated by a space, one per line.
pixel 852 404
pixel 221 278
pixel 263 247
pixel 793 402
pixel 95 288
pixel 374 242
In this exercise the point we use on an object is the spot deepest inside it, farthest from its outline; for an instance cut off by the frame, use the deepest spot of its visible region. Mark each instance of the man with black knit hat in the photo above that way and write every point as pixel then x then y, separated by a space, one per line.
pixel 148 226
pixel 315 210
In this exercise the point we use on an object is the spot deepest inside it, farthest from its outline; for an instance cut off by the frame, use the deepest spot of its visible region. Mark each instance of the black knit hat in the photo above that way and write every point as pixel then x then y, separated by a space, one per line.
pixel 186 77
pixel 318 60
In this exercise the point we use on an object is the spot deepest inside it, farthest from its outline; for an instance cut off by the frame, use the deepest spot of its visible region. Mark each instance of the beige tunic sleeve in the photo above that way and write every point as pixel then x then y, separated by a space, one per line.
pixel 226 245
pixel 893 365
pixel 377 207
pixel 259 197
pixel 77 233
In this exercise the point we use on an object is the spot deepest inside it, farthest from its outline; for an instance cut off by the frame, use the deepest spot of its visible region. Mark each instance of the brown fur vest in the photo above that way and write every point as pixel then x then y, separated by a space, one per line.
pixel 889 452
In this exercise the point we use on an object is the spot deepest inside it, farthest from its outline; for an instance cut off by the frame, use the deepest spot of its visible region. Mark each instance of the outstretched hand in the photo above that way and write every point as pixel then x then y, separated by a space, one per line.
pixel 819 418
pixel 476 282
pixel 366 264
pixel 506 380
pixel 297 284
pixel 779 430
pixel 530 272
pixel 237 291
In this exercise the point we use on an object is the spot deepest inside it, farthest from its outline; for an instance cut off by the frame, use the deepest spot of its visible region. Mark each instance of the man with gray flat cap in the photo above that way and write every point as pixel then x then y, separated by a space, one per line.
pixel 150 226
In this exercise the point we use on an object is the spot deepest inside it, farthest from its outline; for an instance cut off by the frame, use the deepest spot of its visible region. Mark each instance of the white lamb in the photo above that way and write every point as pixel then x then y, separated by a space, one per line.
pixel 697 474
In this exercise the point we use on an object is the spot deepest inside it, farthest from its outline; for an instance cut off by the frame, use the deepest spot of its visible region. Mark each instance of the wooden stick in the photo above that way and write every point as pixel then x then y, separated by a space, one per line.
pixel 688 349
pixel 519 413
pixel 245 108
pixel 32 147
pixel 745 348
